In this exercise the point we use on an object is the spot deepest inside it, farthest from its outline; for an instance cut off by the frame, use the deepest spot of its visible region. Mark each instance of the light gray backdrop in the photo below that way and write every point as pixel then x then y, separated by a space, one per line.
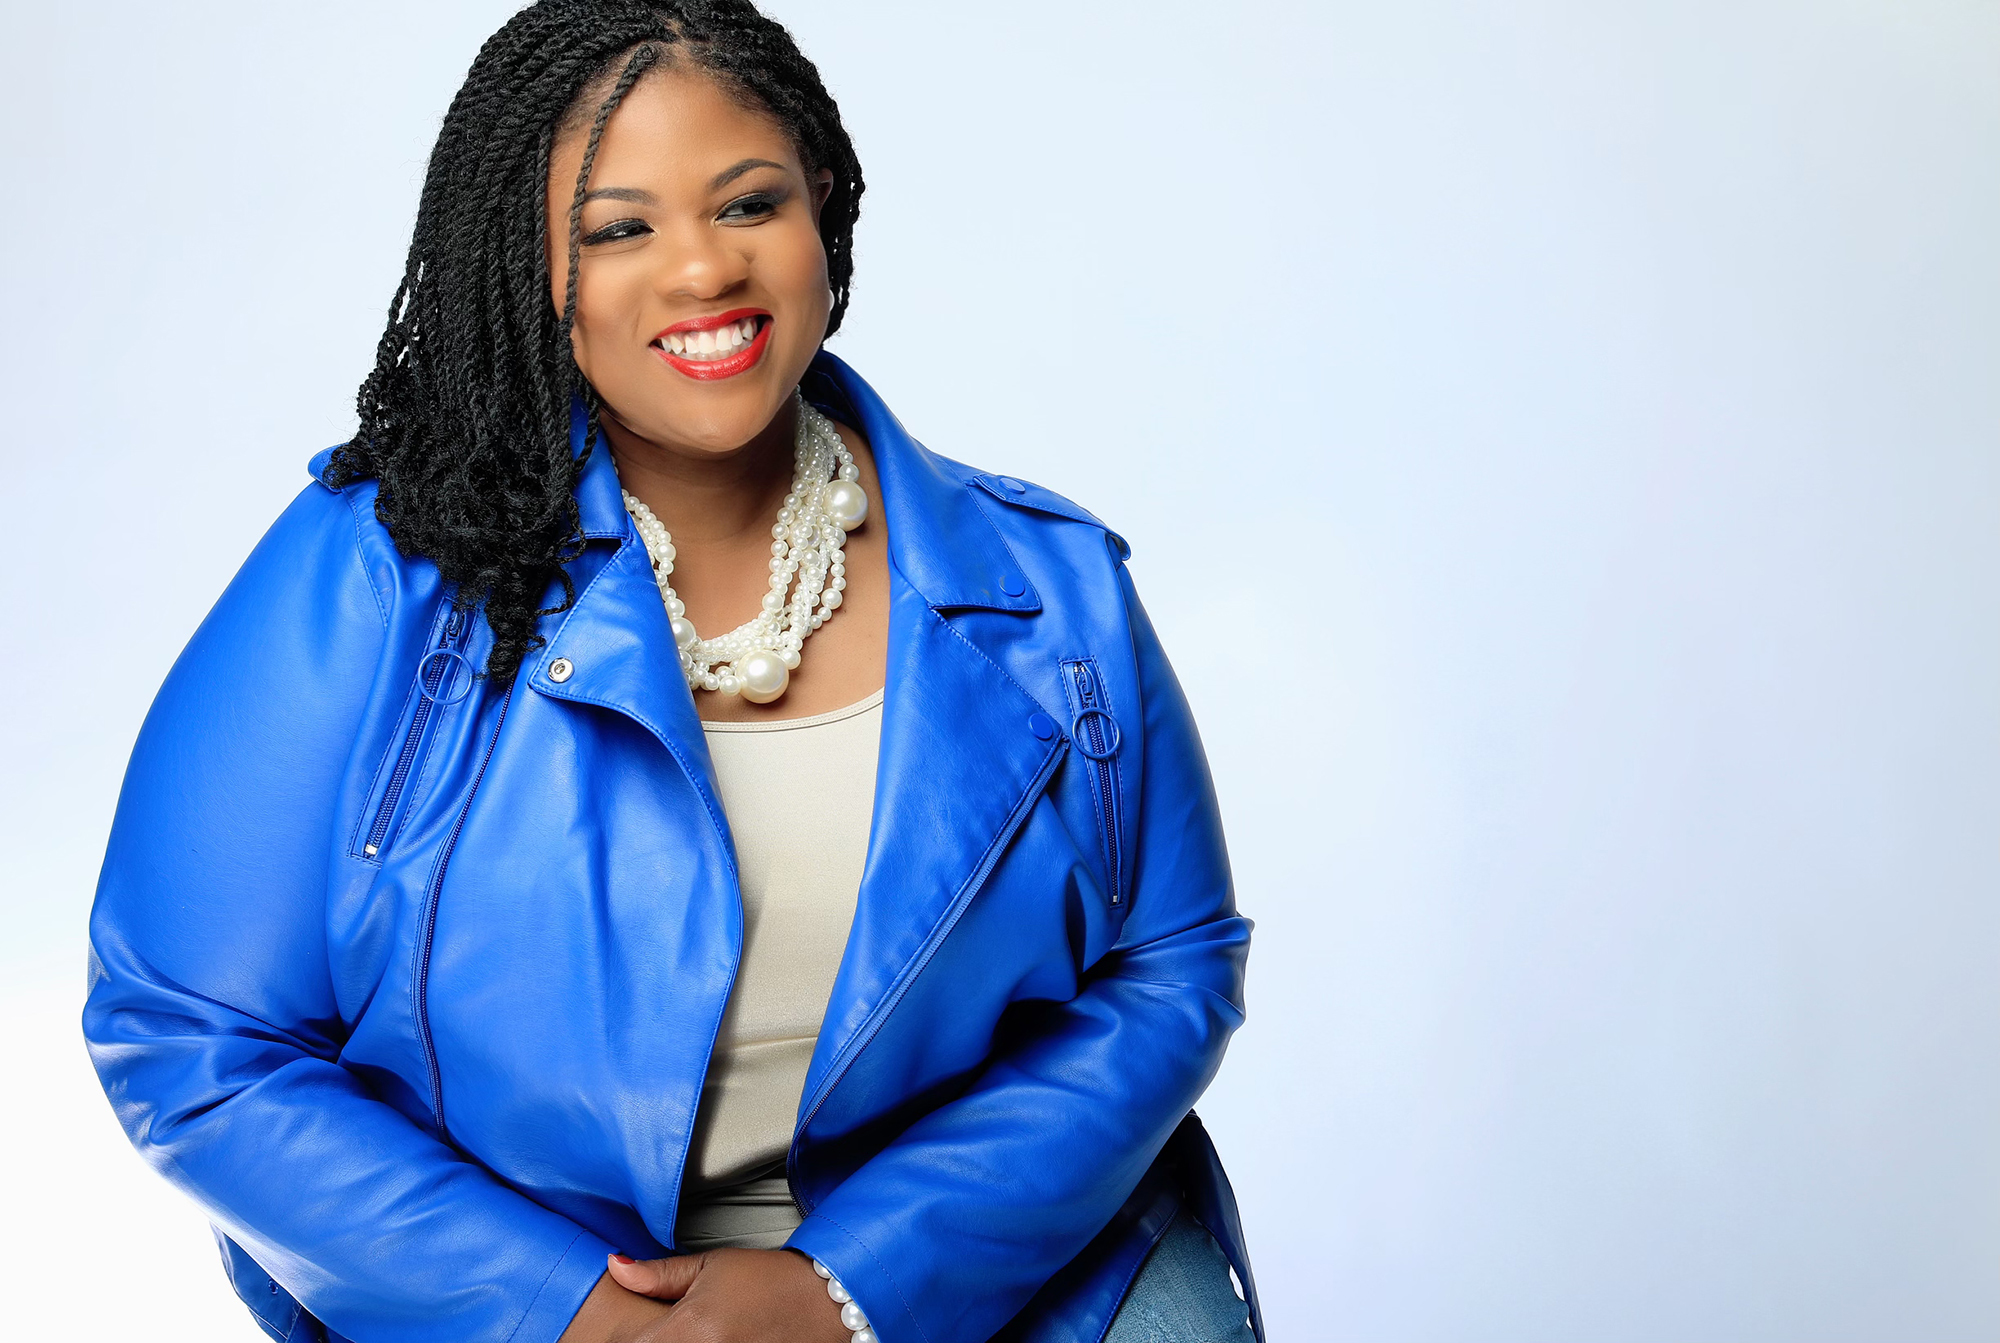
pixel 1560 443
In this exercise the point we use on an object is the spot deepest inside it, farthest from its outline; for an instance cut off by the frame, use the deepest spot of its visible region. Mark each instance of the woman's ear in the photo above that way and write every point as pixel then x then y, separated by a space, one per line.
pixel 822 187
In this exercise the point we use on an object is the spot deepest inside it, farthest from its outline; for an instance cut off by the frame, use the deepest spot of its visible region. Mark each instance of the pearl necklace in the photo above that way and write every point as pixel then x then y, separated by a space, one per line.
pixel 757 658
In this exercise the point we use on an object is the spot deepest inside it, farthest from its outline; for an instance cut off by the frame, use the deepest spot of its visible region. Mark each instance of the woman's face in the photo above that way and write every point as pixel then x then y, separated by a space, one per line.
pixel 702 288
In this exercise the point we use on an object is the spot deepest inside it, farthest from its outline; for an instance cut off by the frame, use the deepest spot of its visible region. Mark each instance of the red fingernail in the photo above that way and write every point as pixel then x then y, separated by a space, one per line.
pixel 624 1258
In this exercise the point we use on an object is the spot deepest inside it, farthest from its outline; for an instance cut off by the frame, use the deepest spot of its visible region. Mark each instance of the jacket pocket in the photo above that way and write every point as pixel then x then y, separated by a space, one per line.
pixel 1094 732
pixel 443 678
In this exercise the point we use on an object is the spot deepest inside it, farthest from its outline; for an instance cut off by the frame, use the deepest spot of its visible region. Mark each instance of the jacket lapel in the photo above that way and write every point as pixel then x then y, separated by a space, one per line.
pixel 961 759
pixel 614 648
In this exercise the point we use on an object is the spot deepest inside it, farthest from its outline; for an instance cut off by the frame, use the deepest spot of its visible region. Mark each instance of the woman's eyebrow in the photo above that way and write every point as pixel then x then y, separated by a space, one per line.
pixel 632 194
pixel 638 196
pixel 730 174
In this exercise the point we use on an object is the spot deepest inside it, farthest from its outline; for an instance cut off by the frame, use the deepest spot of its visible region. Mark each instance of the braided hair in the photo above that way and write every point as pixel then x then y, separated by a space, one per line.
pixel 465 419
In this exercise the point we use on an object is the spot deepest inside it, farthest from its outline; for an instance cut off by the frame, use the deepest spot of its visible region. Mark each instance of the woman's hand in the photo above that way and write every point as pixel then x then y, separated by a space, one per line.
pixel 610 1314
pixel 719 1296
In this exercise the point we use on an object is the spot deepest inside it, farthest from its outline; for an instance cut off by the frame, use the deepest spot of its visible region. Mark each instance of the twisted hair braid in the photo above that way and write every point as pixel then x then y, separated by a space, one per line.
pixel 465 418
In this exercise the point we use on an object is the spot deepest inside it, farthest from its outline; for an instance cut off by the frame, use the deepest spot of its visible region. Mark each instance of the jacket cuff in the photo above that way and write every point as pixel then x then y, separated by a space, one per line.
pixel 863 1275
pixel 562 1292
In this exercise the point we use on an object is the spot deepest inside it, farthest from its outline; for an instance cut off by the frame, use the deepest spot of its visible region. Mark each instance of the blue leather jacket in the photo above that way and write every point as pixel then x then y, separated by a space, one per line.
pixel 410 979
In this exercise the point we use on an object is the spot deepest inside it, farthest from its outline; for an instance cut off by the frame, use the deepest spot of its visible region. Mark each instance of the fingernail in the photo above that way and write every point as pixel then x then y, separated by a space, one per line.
pixel 624 1259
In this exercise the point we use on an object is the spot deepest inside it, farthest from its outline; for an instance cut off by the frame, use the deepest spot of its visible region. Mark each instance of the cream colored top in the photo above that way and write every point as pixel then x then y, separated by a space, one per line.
pixel 799 795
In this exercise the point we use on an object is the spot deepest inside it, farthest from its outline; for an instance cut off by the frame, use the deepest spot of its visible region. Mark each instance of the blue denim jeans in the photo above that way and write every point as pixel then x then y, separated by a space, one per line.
pixel 1182 1293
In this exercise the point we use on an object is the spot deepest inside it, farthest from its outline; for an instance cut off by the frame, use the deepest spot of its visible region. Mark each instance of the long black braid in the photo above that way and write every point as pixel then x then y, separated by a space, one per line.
pixel 465 419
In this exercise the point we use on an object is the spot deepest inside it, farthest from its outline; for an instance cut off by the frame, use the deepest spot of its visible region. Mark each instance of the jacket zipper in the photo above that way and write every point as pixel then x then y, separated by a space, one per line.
pixel 1091 717
pixel 873 1025
pixel 422 995
pixel 432 676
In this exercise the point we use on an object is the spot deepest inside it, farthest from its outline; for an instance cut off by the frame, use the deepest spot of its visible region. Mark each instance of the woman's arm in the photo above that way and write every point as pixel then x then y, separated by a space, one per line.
pixel 949 1230
pixel 213 1016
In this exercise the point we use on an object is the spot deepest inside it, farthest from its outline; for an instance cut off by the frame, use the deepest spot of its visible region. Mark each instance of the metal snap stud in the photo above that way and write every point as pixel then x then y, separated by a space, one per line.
pixel 560 669
pixel 1012 486
pixel 1042 726
pixel 1013 584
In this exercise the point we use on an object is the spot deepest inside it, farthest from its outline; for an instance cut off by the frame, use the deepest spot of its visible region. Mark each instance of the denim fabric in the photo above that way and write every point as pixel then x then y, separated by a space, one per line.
pixel 1183 1294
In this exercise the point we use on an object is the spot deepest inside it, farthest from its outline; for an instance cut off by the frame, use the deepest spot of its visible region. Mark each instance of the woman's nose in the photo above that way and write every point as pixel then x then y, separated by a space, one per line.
pixel 705 266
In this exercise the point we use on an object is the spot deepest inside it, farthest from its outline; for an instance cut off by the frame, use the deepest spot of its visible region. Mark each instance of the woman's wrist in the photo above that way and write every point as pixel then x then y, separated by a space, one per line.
pixel 851 1315
pixel 611 1313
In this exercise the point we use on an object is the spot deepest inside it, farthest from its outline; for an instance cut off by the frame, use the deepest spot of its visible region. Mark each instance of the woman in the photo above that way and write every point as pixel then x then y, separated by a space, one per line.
pixel 644 850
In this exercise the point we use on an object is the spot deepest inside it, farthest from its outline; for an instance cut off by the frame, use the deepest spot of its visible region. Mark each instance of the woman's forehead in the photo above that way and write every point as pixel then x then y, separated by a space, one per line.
pixel 681 122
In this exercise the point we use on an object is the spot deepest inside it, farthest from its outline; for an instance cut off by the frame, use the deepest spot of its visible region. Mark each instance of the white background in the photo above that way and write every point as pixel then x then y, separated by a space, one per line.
pixel 1561 446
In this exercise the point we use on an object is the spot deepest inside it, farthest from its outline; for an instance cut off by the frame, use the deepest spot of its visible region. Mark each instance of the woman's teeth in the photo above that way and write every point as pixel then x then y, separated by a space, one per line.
pixel 716 343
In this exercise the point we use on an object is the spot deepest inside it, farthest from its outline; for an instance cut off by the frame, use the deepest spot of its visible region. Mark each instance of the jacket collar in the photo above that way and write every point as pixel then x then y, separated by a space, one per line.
pixel 940 539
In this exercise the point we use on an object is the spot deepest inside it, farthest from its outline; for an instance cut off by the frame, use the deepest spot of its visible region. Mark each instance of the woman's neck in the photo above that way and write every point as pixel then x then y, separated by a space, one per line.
pixel 707 498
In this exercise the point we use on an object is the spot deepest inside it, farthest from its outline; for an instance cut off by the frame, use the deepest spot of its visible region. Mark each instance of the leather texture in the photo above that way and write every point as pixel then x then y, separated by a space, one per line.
pixel 411 979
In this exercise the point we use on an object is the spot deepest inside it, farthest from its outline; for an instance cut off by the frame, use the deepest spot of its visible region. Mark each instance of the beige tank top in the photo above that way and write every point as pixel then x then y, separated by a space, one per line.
pixel 799 795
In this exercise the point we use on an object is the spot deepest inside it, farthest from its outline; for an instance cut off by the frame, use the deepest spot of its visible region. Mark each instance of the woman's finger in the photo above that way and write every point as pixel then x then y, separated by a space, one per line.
pixel 668 1279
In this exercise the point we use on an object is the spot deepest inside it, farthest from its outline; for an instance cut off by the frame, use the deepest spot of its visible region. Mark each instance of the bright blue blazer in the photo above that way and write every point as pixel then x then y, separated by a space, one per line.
pixel 410 979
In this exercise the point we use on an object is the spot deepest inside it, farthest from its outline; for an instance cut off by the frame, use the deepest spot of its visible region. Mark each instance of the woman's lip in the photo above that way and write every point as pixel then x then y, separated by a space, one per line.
pixel 720 319
pixel 708 370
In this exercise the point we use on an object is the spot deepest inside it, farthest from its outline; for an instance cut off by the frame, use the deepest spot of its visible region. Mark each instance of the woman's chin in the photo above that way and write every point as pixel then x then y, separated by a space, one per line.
pixel 661 403
pixel 713 421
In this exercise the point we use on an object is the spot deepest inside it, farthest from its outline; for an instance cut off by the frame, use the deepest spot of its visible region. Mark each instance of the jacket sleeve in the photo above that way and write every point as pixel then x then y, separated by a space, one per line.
pixel 213 1016
pixel 944 1235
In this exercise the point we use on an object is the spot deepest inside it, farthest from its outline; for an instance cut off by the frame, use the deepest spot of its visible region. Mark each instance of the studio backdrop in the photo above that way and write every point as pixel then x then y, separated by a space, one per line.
pixel 1560 447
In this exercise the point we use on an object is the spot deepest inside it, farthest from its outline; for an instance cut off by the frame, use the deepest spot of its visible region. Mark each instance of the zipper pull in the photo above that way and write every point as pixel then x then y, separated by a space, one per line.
pixel 1086 686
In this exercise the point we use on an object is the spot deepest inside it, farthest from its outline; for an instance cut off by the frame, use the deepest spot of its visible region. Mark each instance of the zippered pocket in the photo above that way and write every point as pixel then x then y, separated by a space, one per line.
pixel 1094 733
pixel 438 673
pixel 420 978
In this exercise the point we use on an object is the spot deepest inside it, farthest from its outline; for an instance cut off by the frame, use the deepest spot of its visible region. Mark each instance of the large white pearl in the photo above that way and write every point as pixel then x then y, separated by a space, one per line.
pixel 851 1316
pixel 763 676
pixel 846 504
pixel 836 1291
pixel 684 635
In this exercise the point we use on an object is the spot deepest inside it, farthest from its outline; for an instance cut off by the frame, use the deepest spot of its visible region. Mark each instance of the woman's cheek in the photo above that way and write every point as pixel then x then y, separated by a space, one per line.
pixel 607 306
pixel 806 280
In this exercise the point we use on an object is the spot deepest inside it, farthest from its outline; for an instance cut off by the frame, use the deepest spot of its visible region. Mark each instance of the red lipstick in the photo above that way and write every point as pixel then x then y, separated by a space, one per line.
pixel 708 370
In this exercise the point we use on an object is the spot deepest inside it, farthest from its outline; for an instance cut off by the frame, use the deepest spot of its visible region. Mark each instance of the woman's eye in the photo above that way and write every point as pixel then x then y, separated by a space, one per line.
pixel 618 230
pixel 745 208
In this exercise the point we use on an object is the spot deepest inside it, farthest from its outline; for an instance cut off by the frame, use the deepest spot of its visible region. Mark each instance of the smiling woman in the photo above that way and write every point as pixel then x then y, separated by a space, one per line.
pixel 696 198
pixel 572 974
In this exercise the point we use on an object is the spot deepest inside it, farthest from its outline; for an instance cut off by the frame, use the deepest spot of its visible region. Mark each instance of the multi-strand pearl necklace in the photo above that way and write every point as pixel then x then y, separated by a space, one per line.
pixel 808 571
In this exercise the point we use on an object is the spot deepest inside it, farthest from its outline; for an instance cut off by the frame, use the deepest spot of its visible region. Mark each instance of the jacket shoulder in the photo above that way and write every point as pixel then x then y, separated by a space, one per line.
pixel 313 595
pixel 349 510
pixel 1034 500
pixel 319 544
pixel 316 468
